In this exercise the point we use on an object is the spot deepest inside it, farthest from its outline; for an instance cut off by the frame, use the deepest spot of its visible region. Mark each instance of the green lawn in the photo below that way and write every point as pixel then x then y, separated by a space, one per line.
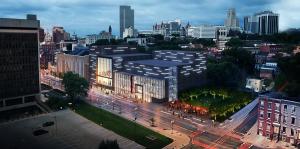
pixel 123 127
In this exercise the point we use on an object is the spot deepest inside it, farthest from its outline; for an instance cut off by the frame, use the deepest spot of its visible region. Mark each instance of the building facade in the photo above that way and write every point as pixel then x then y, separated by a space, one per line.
pixel 278 118
pixel 47 54
pixel 202 31
pixel 19 57
pixel 262 23
pixel 126 19
pixel 161 78
pixel 232 21
pixel 76 63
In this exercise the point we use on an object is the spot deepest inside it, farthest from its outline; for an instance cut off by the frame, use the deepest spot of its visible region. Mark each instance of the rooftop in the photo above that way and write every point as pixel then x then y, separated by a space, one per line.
pixel 125 55
pixel 30 22
pixel 158 63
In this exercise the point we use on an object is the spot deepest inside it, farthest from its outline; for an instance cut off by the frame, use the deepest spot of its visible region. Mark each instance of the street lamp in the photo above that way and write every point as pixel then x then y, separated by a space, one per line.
pixel 135 118
pixel 172 123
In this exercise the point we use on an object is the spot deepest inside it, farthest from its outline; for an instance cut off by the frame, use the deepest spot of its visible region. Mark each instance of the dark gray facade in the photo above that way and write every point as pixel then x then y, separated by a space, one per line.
pixel 126 18
pixel 19 58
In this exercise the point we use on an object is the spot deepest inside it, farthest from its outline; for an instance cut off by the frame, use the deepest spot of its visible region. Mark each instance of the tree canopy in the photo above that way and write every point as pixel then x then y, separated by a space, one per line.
pixel 224 74
pixel 75 85
pixel 290 70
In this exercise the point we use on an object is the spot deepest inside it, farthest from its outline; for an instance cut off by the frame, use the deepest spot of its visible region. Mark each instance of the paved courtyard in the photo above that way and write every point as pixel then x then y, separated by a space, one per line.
pixel 70 131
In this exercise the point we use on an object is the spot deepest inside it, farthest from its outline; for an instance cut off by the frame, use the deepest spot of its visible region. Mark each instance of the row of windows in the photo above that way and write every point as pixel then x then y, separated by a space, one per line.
pixel 277 106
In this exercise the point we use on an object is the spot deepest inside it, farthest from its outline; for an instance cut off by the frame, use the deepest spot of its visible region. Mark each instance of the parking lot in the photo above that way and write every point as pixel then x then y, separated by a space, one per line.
pixel 68 131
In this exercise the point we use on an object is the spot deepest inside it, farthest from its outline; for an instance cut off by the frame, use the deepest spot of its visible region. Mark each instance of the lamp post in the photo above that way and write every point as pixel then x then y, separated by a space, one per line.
pixel 172 124
pixel 135 118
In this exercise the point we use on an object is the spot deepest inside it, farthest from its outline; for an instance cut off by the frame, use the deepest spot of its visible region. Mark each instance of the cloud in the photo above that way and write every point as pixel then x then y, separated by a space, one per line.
pixel 92 16
pixel 289 11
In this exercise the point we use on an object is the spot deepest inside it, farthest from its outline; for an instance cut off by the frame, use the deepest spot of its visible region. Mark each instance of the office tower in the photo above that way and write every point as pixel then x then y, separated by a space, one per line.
pixel 110 30
pixel 126 18
pixel 250 24
pixel 19 62
pixel 231 21
pixel 268 23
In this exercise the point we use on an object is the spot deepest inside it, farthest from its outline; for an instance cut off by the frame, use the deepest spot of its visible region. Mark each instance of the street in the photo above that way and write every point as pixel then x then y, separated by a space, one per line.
pixel 201 131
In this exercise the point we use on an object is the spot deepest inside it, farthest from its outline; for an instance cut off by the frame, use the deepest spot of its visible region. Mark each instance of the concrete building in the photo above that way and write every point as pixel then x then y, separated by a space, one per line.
pixel 232 21
pixel 278 118
pixel 169 28
pixel 47 54
pixel 255 85
pixel 250 24
pixel 222 37
pixel 76 61
pixel 161 78
pixel 59 34
pixel 19 57
pixel 130 32
pixel 139 41
pixel 126 19
pixel 203 31
pixel 156 77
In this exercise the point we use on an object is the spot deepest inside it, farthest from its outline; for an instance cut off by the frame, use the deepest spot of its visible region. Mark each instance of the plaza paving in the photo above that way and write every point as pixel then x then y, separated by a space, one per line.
pixel 70 132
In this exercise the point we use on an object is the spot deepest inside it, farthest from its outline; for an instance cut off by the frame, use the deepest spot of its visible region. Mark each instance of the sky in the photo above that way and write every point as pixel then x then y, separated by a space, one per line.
pixel 92 16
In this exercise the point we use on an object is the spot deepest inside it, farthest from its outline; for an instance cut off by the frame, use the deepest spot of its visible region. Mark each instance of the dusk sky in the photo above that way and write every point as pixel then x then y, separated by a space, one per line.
pixel 91 16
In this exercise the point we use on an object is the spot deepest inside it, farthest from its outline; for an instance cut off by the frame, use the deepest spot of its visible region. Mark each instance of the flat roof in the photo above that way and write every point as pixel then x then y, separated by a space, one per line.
pixel 18 23
pixel 130 54
pixel 158 63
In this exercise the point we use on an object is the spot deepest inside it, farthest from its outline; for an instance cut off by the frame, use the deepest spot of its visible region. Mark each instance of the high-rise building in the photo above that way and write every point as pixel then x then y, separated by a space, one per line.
pixel 250 24
pixel 268 23
pixel 126 18
pixel 19 62
pixel 232 21
pixel 263 23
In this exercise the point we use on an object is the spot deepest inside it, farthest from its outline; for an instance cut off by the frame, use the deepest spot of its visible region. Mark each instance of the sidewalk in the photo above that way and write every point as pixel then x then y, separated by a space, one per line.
pixel 179 140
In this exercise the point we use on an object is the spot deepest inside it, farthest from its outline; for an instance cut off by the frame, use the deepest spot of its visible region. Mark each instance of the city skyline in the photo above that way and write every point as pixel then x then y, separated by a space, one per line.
pixel 87 17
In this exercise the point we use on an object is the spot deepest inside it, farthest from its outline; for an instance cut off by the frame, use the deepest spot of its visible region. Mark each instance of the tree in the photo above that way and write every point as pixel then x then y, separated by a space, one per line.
pixel 242 58
pixel 108 144
pixel 224 74
pixel 235 42
pixel 290 70
pixel 75 85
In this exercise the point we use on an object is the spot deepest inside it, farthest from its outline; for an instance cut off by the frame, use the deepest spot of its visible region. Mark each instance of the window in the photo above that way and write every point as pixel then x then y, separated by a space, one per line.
pixel 268 127
pixel 260 124
pixel 269 115
pixel 293 109
pixel 269 105
pixel 277 105
pixel 262 103
pixel 284 108
pixel 261 114
pixel 277 117
pixel 293 120
pixel 283 129
pixel 292 132
pixel 276 129
pixel 284 119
